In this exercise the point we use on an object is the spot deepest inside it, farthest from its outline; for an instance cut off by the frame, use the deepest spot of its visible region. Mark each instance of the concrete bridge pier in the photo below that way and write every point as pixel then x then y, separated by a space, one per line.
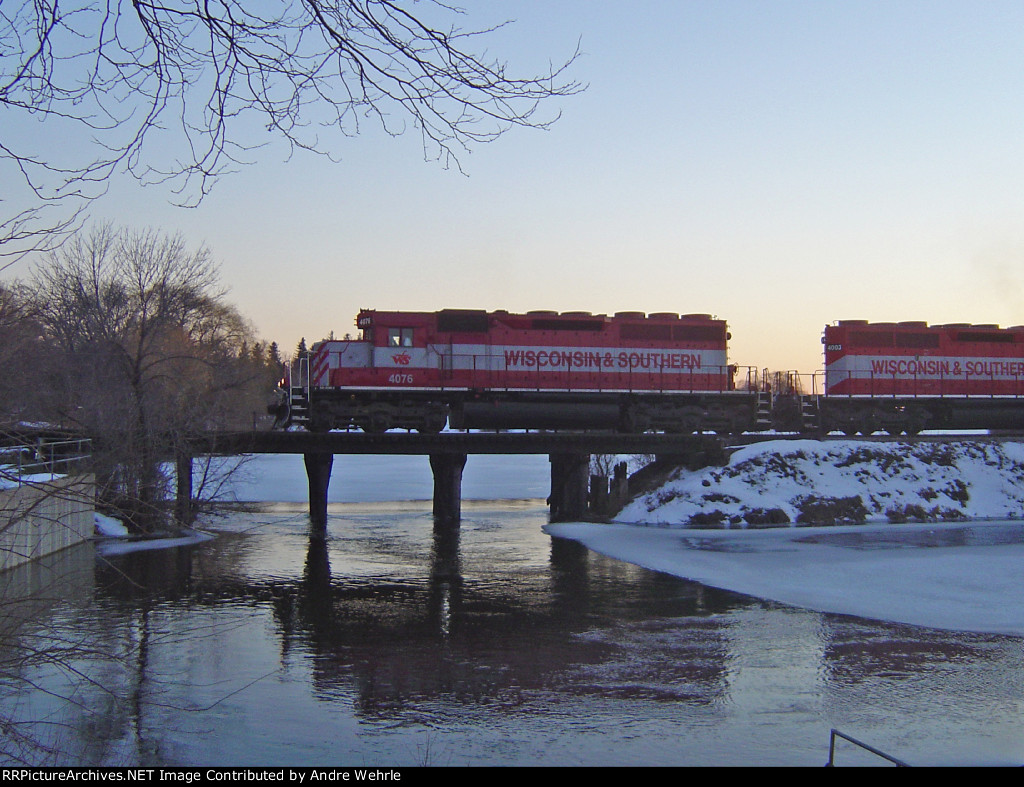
pixel 318 474
pixel 447 470
pixel 570 476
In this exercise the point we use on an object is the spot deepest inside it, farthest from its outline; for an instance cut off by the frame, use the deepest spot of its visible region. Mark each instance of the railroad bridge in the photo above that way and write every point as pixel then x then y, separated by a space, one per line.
pixel 569 454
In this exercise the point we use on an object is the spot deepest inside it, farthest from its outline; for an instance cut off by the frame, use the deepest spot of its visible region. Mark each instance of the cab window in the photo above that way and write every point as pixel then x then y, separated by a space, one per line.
pixel 399 337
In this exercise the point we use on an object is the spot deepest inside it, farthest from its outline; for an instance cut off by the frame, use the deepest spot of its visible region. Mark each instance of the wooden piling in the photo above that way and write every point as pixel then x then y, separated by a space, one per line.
pixel 569 476
pixel 598 501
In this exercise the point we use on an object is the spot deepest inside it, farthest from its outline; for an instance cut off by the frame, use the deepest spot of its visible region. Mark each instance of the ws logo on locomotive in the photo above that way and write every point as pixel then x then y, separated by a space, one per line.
pixel 632 372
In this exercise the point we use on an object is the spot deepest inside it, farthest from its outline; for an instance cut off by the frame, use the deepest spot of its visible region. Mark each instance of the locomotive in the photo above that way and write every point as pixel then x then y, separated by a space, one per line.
pixel 910 376
pixel 636 372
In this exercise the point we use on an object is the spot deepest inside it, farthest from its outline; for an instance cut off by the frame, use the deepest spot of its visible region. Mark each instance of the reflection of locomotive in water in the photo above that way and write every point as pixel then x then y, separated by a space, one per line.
pixel 633 372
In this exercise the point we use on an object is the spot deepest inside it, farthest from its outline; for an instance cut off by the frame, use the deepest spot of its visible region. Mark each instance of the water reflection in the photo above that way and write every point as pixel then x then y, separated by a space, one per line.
pixel 923 537
pixel 855 652
pixel 405 640
pixel 497 645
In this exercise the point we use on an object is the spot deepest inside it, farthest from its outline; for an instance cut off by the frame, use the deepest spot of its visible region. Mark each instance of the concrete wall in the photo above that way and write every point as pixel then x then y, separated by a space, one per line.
pixel 45 517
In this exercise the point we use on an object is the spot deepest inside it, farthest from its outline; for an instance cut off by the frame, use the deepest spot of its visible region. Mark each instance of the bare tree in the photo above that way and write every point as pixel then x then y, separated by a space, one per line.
pixel 19 356
pixel 180 92
pixel 145 351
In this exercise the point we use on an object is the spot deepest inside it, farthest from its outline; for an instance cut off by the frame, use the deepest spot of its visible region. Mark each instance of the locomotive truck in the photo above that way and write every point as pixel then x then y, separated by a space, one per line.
pixel 635 372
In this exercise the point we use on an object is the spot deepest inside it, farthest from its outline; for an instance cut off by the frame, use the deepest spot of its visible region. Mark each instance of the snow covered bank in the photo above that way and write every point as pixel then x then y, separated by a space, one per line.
pixel 735 528
pixel 842 482
pixel 115 539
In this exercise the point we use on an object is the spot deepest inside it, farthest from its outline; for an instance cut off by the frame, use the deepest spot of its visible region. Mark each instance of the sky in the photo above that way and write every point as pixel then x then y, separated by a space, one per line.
pixel 780 165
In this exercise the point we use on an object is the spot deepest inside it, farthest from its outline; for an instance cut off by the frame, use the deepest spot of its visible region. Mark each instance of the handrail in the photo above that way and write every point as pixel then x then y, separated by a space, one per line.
pixel 56 457
pixel 834 733
pixel 304 374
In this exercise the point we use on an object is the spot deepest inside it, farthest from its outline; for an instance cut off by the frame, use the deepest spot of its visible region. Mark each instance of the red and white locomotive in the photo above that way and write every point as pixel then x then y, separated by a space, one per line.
pixel 478 369
pixel 473 369
pixel 910 376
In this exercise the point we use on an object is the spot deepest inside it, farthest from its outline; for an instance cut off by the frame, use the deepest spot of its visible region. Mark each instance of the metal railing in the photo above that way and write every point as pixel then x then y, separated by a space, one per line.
pixel 878 753
pixel 18 463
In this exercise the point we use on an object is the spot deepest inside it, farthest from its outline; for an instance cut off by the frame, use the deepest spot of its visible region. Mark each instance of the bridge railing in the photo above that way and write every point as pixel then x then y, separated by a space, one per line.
pixel 877 752
pixel 18 463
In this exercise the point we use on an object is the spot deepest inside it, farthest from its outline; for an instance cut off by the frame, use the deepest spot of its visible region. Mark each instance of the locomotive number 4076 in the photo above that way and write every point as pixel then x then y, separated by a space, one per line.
pixel 400 379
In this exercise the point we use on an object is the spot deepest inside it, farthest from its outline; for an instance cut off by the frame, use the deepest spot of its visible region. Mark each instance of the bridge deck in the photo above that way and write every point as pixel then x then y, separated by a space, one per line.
pixel 229 443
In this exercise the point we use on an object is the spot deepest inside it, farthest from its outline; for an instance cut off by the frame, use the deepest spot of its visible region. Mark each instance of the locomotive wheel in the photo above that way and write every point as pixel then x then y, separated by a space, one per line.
pixel 318 423
pixel 917 419
pixel 868 424
pixel 378 423
pixel 691 420
pixel 849 427
pixel 432 424
pixel 688 426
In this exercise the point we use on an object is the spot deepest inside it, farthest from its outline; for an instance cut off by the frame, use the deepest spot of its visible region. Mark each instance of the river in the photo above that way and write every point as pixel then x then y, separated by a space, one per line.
pixel 388 645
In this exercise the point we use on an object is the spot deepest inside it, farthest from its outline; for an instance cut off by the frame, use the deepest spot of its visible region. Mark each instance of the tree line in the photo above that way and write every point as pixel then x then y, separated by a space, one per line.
pixel 126 337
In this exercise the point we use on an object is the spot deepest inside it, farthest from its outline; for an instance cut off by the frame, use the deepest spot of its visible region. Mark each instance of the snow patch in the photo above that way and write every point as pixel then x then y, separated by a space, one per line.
pixel 962 576
pixel 841 482
pixel 121 547
pixel 109 527
pixel 957 576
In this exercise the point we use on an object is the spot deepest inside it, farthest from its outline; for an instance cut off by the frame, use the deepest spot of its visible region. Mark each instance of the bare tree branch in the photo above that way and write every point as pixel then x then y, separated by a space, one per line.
pixel 180 92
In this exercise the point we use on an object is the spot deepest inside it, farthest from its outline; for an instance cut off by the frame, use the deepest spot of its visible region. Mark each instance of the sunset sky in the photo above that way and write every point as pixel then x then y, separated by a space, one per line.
pixel 778 164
